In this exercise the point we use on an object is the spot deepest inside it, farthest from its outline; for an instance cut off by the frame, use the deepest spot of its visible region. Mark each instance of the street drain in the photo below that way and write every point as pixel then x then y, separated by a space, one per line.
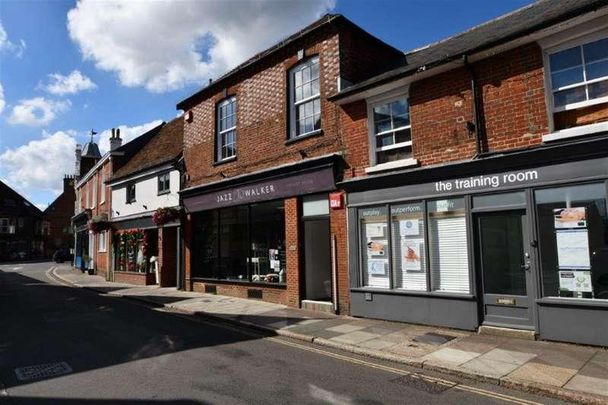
pixel 435 339
pixel 40 371
pixel 423 384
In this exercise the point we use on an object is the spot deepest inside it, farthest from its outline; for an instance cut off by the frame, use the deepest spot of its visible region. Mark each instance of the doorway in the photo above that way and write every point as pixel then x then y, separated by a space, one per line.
pixel 504 264
pixel 317 285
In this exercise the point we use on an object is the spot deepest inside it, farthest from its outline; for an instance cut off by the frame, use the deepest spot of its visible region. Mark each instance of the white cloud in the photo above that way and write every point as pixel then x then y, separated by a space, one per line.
pixel 42 206
pixel 40 165
pixel 8 46
pixel 37 111
pixel 2 102
pixel 164 45
pixel 126 133
pixel 73 83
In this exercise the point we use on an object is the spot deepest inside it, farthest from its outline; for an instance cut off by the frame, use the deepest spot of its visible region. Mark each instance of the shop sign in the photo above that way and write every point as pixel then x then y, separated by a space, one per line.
pixel 287 186
pixel 336 201
pixel 488 181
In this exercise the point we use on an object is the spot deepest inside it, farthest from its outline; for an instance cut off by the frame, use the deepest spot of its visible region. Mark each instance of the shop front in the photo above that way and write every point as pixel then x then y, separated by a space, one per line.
pixel 82 253
pixel 522 246
pixel 265 235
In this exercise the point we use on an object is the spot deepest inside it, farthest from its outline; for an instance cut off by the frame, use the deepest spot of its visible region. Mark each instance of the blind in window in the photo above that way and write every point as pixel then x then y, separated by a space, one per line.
pixel 449 254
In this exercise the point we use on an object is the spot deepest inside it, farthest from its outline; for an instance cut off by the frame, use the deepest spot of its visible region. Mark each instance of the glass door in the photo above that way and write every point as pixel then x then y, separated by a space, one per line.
pixel 505 268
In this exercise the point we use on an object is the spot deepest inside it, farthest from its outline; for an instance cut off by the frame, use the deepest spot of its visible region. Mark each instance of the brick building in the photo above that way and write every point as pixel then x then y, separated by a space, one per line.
pixel 477 177
pixel 57 225
pixel 262 151
pixel 20 227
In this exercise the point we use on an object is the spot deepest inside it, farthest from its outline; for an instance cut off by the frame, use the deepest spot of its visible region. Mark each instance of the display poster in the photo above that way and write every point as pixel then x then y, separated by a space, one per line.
pixel 575 217
pixel 575 281
pixel 409 227
pixel 443 205
pixel 375 230
pixel 411 251
pixel 275 265
pixel 573 249
pixel 273 254
pixel 376 267
pixel 376 248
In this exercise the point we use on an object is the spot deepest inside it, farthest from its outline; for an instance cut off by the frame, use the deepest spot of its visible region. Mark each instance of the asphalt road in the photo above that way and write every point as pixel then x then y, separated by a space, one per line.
pixel 115 351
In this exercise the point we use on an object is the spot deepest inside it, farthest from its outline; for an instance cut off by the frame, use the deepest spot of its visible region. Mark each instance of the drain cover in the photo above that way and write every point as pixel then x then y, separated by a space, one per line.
pixel 42 371
pixel 435 339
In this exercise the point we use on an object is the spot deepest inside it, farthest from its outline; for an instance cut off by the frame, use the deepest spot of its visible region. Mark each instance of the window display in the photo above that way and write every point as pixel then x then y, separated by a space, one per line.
pixel 409 253
pixel 573 241
pixel 374 239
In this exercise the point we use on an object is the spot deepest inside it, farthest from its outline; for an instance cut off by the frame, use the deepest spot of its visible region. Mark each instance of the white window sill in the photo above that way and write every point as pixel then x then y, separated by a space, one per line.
pixel 392 165
pixel 576 131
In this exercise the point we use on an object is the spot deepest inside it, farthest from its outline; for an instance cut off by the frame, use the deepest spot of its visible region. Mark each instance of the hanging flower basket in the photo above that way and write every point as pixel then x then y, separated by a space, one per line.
pixel 165 215
pixel 99 223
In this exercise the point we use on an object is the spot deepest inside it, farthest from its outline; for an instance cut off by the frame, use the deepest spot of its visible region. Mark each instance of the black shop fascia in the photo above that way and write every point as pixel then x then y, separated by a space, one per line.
pixel 514 240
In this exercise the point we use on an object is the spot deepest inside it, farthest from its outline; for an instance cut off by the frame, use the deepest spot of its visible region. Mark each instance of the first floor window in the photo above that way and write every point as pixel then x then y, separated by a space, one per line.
pixel 130 193
pixel 305 98
pixel 164 185
pixel 244 243
pixel 226 129
pixel 392 136
pixel 573 241
pixel 5 226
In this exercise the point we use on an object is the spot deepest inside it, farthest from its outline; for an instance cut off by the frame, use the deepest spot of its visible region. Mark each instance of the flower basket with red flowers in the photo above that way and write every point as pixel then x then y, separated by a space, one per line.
pixel 165 215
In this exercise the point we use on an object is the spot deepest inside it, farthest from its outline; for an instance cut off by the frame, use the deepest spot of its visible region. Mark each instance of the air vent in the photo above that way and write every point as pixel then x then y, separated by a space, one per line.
pixel 254 293
pixel 210 289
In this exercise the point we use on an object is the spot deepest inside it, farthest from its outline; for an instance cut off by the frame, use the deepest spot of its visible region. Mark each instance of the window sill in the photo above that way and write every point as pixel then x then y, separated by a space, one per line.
pixel 426 294
pixel 312 134
pixel 238 282
pixel 576 132
pixel 573 302
pixel 392 165
pixel 221 162
pixel 164 192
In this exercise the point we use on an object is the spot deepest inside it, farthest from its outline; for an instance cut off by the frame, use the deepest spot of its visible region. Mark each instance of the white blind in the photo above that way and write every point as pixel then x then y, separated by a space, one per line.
pixel 449 255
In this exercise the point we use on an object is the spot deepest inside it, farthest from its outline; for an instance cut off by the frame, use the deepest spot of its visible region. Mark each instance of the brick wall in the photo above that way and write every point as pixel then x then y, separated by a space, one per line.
pixel 292 251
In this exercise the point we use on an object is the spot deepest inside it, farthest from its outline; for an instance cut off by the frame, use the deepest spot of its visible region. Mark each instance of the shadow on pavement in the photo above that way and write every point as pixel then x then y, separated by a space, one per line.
pixel 53 401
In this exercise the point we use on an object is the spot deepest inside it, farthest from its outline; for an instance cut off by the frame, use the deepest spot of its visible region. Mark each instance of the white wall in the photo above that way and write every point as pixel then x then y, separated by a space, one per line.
pixel 146 193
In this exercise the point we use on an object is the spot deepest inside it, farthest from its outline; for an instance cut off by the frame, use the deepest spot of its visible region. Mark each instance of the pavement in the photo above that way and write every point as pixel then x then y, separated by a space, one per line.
pixel 572 372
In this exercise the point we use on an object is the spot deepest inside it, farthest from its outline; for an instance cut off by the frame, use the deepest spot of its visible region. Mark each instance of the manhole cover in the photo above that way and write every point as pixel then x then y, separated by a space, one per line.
pixel 420 383
pixel 435 339
pixel 42 371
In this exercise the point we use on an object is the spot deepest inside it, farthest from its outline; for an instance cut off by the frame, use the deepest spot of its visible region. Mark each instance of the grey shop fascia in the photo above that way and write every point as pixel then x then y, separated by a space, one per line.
pixel 517 240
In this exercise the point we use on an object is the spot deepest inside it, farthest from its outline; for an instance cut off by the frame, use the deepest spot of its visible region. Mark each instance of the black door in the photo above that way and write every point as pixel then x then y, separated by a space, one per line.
pixel 317 259
pixel 504 263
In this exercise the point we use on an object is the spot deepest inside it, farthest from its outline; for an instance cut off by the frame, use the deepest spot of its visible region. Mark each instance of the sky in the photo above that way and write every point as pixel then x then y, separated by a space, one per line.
pixel 69 67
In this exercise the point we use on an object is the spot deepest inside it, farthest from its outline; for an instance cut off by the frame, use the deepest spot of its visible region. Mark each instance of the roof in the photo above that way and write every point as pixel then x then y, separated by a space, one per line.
pixel 90 149
pixel 519 23
pixel 13 203
pixel 164 146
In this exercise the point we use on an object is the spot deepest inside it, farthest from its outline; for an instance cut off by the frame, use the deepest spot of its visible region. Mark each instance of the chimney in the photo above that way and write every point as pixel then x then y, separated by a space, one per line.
pixel 78 158
pixel 68 182
pixel 115 140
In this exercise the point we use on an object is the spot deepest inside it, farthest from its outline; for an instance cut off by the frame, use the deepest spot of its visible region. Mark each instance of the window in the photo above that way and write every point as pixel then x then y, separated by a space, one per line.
pixel 130 193
pixel 164 185
pixel 94 187
pixel 425 248
pixel 226 129
pixel 579 75
pixel 304 98
pixel 103 187
pixel 5 226
pixel 391 131
pixel 244 243
pixel 573 242
pixel 101 241
pixel 20 222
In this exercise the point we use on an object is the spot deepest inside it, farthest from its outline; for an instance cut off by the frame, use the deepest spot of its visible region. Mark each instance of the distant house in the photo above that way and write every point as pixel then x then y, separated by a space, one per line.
pixel 57 219
pixel 20 227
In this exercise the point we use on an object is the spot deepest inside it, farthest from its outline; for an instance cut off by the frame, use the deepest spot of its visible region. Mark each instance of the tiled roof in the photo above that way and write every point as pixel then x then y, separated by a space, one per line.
pixel 521 22
pixel 13 203
pixel 165 146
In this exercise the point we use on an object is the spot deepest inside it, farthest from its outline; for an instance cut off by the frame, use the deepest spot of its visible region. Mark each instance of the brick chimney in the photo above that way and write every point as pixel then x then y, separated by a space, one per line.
pixel 78 159
pixel 115 140
pixel 68 182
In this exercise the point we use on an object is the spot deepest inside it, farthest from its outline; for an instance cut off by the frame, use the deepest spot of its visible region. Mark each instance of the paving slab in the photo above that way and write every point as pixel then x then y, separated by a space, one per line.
pixel 542 373
pixel 376 344
pixel 489 367
pixel 354 337
pixel 507 356
pixel 346 328
pixel 450 356
pixel 592 385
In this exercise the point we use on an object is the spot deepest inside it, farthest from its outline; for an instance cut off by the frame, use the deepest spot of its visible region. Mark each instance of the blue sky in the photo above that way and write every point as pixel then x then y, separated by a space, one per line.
pixel 67 67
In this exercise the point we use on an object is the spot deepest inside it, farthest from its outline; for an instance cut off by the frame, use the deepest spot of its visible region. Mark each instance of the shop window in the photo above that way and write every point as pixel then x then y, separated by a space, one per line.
pixel 163 184
pixel 226 129
pixel 573 241
pixel 305 98
pixel 448 249
pixel 408 251
pixel 244 243
pixel 391 131
pixel 374 247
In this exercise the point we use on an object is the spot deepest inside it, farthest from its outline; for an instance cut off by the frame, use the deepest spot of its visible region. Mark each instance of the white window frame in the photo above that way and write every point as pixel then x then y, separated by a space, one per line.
pixel 102 242
pixel 293 104
pixel 161 179
pixel 94 185
pixel 371 104
pixel 579 35
pixel 103 188
pixel 220 132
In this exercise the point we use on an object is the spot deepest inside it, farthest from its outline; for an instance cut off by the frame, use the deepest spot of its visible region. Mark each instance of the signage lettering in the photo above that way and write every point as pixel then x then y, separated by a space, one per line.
pixel 482 181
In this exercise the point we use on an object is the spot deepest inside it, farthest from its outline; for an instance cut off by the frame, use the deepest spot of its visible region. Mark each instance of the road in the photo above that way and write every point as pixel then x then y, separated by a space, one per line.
pixel 114 351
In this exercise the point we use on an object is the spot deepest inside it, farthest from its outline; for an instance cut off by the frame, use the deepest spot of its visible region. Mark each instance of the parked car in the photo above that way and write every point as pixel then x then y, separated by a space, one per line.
pixel 62 255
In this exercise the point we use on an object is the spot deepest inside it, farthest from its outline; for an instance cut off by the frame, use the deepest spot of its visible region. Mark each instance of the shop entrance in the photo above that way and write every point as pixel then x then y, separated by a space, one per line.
pixel 504 264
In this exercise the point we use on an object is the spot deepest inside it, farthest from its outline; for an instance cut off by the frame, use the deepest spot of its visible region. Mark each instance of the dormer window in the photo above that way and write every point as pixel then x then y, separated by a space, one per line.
pixel 226 129
pixel 304 99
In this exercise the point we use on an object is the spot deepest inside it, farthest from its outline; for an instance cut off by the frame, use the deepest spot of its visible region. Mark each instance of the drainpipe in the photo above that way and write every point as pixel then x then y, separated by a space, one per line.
pixel 476 126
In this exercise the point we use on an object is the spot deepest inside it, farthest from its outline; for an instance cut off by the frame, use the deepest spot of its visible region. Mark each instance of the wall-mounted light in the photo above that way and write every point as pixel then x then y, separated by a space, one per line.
pixel 302 154
pixel 145 207
pixel 222 175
